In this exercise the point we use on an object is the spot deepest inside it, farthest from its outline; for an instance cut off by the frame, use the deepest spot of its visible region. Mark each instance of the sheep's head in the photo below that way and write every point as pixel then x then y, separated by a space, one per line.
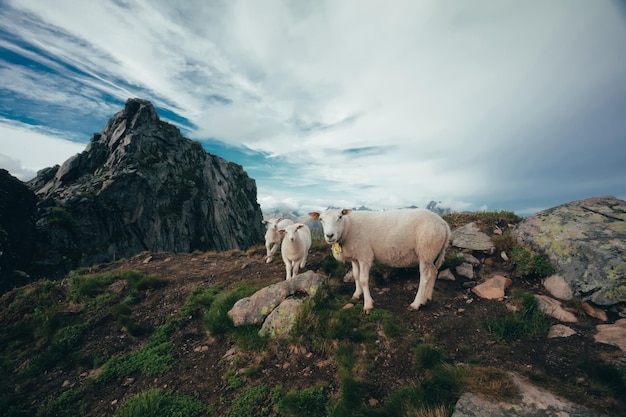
pixel 291 232
pixel 332 223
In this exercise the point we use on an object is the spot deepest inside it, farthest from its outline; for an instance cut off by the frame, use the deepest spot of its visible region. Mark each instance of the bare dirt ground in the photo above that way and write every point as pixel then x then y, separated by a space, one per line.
pixel 452 321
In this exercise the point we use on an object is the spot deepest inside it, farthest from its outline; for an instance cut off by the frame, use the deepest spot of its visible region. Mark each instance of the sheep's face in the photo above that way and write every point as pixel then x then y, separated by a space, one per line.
pixel 333 223
pixel 291 232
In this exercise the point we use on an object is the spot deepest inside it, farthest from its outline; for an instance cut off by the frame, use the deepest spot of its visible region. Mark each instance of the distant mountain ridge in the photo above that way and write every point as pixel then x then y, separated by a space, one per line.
pixel 141 186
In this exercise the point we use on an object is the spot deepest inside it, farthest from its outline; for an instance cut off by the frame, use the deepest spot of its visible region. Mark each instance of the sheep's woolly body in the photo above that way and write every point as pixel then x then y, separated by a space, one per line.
pixel 295 247
pixel 397 238
pixel 272 237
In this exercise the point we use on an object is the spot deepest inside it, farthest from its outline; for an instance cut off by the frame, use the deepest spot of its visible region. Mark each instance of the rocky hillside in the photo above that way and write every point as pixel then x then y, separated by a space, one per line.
pixel 148 335
pixel 140 185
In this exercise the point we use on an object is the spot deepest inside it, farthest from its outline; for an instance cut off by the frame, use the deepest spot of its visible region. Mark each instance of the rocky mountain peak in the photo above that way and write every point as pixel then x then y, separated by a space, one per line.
pixel 140 185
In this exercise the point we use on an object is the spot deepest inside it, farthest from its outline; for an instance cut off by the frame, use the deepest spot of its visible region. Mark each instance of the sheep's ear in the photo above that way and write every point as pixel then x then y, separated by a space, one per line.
pixel 346 211
pixel 278 219
pixel 264 221
pixel 281 231
pixel 300 226
pixel 315 215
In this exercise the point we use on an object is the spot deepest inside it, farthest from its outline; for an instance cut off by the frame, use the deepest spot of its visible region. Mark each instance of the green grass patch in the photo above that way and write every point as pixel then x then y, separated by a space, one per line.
pixel 484 219
pixel 333 268
pixel 310 402
pixel 218 322
pixel 427 357
pixel 69 404
pixel 91 285
pixel 199 300
pixel 526 323
pixel 153 359
pixel 490 382
pixel 606 377
pixel 528 263
pixel 156 402
pixel 255 401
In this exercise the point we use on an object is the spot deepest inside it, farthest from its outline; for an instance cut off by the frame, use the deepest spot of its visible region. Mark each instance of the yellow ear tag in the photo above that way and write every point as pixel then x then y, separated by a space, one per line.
pixel 337 248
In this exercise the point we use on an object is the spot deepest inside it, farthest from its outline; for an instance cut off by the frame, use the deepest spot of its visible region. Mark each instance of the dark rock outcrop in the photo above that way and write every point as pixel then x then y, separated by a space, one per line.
pixel 140 185
pixel 18 213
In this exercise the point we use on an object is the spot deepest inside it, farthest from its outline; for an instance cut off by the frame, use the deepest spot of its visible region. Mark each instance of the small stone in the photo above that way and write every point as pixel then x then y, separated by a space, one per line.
pixel 560 330
pixel 553 308
pixel 471 259
pixel 504 256
pixel 612 334
pixel 465 270
pixel 66 383
pixel 348 306
pixel 595 312
pixel 493 288
pixel 558 287
pixel 446 275
pixel 147 260
pixel 373 402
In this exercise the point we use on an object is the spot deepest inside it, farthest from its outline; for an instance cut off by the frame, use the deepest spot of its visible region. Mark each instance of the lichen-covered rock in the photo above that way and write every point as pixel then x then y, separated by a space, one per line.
pixel 254 309
pixel 140 185
pixel 280 321
pixel 586 242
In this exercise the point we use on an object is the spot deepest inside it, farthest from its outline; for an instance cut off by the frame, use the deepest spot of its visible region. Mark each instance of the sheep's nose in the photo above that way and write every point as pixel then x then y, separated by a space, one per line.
pixel 329 235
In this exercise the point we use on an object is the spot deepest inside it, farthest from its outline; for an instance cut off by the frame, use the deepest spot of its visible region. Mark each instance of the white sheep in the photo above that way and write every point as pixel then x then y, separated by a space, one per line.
pixel 295 247
pixel 397 238
pixel 272 237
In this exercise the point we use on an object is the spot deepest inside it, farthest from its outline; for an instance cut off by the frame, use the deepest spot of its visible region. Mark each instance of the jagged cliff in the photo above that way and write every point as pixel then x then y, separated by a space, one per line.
pixel 140 185
pixel 18 213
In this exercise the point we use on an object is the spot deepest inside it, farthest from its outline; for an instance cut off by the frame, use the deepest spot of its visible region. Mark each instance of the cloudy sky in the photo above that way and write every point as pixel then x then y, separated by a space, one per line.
pixel 481 105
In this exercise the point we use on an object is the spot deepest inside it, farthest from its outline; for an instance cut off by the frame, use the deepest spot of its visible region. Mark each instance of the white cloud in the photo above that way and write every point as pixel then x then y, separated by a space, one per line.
pixel 387 103
pixel 26 150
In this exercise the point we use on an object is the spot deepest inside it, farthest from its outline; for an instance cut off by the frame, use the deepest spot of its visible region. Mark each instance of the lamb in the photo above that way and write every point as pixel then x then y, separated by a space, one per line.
pixel 272 237
pixel 295 247
pixel 397 238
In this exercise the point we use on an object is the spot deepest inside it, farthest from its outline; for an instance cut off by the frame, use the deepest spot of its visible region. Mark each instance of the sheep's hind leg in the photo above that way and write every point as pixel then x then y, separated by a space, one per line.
pixel 428 273
pixel 431 284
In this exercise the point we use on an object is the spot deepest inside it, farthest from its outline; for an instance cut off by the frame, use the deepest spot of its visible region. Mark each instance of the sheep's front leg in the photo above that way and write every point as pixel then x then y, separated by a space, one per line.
pixel 428 274
pixel 355 274
pixel 288 269
pixel 364 278
pixel 271 250
pixel 296 268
